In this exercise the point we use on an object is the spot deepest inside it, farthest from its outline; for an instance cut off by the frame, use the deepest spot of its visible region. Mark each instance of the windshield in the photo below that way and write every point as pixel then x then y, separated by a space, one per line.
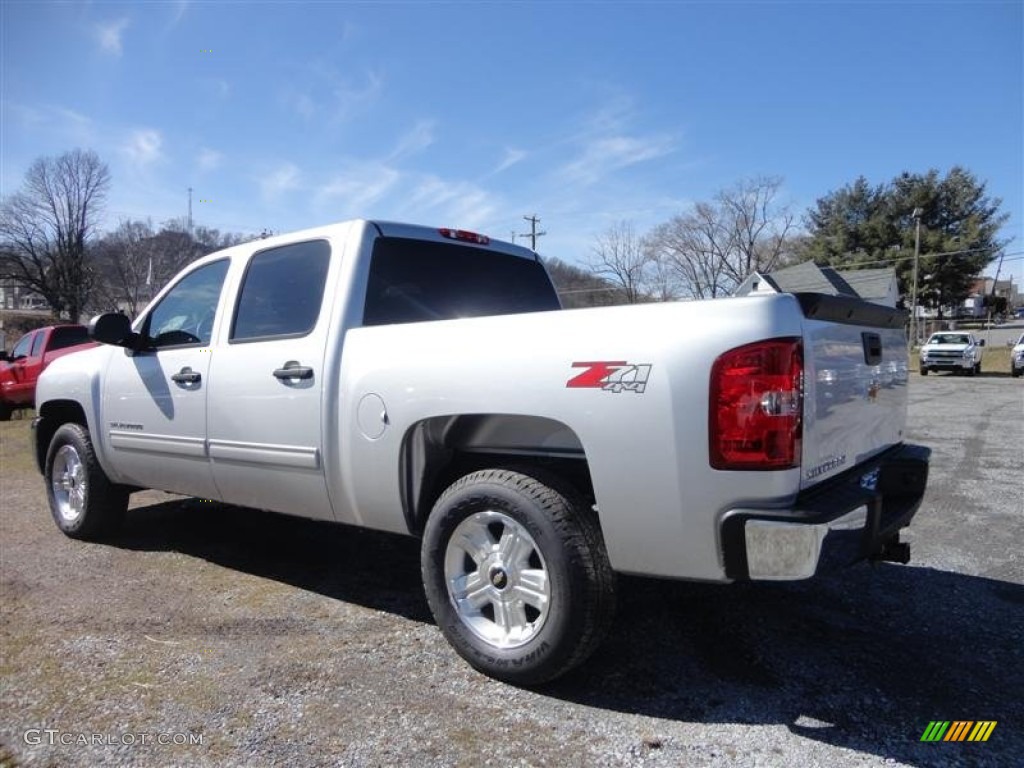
pixel 950 338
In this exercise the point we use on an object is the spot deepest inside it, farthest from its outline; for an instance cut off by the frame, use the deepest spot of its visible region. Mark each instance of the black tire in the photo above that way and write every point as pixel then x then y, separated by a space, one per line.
pixel 84 503
pixel 5 412
pixel 924 371
pixel 977 367
pixel 970 371
pixel 1016 372
pixel 553 532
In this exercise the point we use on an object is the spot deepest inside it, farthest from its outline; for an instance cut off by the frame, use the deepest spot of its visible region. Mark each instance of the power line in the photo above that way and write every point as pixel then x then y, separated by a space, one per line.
pixel 1019 255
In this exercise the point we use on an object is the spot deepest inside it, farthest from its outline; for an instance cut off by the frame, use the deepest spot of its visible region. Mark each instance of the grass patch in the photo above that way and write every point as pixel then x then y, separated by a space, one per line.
pixel 995 360
pixel 15 445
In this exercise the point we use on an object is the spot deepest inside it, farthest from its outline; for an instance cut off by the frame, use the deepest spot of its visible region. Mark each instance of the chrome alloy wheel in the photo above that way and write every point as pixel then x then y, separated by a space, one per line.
pixel 69 483
pixel 497 579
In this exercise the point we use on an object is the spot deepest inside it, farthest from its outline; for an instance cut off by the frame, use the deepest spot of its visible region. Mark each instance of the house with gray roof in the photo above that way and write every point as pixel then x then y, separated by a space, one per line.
pixel 875 285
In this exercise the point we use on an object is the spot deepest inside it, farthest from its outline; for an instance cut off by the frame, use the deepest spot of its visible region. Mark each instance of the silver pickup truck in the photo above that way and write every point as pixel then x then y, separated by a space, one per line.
pixel 426 381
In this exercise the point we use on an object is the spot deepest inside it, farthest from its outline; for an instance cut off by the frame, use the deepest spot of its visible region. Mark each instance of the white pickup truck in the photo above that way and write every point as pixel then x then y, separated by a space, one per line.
pixel 956 351
pixel 426 381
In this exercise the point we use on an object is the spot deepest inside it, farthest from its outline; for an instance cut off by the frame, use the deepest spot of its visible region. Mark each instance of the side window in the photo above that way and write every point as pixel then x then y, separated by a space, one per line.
pixel 185 314
pixel 23 346
pixel 282 291
pixel 413 281
pixel 37 345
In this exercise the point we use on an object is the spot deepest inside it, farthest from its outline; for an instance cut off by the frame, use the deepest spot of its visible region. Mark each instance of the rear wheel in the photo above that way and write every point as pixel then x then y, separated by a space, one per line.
pixel 5 412
pixel 83 501
pixel 517 576
pixel 924 371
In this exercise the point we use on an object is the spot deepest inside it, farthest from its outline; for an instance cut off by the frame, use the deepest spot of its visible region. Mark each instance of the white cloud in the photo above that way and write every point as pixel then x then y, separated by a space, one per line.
pixel 381 190
pixel 456 203
pixel 601 156
pixel 350 98
pixel 416 140
pixel 304 105
pixel 355 191
pixel 276 183
pixel 178 8
pixel 51 118
pixel 208 160
pixel 327 94
pixel 143 146
pixel 109 35
pixel 512 156
pixel 218 86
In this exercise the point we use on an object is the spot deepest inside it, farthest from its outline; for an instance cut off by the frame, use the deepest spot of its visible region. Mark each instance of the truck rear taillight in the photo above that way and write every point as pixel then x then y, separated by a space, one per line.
pixel 463 235
pixel 756 404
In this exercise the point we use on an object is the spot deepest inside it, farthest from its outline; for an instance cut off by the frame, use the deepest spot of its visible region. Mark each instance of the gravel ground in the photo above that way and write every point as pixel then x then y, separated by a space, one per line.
pixel 260 640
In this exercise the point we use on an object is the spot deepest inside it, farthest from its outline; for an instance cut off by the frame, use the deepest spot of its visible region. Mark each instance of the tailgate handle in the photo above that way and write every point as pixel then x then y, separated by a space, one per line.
pixel 872 348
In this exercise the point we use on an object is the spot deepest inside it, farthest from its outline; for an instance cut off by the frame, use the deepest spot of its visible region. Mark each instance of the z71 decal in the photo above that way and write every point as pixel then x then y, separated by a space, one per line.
pixel 611 376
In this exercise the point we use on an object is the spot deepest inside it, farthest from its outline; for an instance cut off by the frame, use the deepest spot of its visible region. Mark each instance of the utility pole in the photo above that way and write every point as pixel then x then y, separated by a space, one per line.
pixel 533 234
pixel 995 284
pixel 916 215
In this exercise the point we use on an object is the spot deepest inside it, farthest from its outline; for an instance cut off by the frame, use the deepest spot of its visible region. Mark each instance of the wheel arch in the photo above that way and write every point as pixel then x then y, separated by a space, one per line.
pixel 437 451
pixel 51 416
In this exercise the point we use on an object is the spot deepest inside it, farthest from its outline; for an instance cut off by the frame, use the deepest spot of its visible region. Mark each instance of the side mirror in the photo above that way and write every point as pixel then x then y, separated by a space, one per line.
pixel 113 328
pixel 981 342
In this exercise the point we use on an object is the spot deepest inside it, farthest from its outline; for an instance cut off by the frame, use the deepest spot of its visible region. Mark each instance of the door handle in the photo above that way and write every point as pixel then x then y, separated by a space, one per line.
pixel 292 370
pixel 186 376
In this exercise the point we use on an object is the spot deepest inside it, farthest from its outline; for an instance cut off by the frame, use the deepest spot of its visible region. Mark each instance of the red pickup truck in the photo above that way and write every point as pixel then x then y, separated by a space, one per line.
pixel 34 351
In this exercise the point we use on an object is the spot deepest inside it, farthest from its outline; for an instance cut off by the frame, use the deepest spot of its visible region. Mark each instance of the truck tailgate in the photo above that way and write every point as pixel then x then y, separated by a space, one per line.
pixel 855 383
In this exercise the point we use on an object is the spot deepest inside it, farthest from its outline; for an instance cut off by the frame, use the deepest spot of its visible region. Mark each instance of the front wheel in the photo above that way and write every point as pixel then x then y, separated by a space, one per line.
pixel 924 371
pixel 83 501
pixel 516 574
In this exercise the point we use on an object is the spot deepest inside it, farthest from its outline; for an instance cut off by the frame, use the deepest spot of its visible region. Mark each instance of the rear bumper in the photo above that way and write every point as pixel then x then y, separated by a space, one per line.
pixel 854 516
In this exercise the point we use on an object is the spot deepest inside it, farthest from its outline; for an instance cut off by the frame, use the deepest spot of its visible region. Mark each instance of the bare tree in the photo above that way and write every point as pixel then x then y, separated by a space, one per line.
pixel 714 246
pixel 46 228
pixel 124 260
pixel 695 246
pixel 622 258
pixel 135 262
pixel 760 225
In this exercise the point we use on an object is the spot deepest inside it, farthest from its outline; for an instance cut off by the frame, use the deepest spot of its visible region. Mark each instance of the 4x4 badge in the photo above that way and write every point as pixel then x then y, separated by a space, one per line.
pixel 611 376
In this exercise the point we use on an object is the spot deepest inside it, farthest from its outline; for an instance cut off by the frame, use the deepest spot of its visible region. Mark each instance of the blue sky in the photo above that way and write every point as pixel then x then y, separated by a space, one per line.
pixel 289 115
